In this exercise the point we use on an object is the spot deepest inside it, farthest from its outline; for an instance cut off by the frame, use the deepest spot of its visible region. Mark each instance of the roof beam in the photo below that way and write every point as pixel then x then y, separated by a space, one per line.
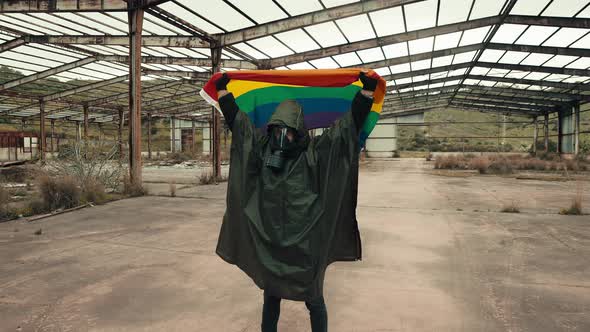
pixel 11 44
pixel 46 73
pixel 163 41
pixel 502 109
pixel 379 41
pixel 308 19
pixel 62 94
pixel 471 95
pixel 485 89
pixel 558 85
pixel 194 75
pixel 541 49
pixel 420 56
pixel 542 69
pixel 48 6
pixel 168 60
pixel 564 22
pixel 495 103
pixel 549 70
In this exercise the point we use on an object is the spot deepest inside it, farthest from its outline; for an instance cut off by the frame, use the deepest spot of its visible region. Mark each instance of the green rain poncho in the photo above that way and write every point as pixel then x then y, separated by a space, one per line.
pixel 284 229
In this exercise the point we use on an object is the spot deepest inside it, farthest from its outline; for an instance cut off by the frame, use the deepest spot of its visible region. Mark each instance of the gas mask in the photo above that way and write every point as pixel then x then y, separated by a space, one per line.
pixel 283 144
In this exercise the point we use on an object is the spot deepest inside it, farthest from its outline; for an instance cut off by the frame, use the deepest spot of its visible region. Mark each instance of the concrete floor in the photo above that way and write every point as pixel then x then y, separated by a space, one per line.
pixel 438 256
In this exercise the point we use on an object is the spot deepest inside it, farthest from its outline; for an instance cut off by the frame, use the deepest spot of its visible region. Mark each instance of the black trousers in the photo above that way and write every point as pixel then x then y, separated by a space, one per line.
pixel 271 310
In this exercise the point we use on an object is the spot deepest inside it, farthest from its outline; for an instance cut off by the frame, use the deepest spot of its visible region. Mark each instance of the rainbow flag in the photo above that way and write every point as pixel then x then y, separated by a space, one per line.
pixel 324 94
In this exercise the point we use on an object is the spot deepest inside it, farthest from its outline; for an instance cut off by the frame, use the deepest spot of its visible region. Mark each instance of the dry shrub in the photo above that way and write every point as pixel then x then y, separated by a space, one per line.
pixel 209 178
pixel 500 165
pixel 450 162
pixel 172 189
pixel 576 207
pixel 513 207
pixel 480 163
pixel 59 192
pixel 5 211
pixel 94 192
pixel 133 189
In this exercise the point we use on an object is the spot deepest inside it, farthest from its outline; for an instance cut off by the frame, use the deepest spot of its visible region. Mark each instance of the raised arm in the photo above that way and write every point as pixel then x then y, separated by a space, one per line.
pixel 227 103
pixel 362 102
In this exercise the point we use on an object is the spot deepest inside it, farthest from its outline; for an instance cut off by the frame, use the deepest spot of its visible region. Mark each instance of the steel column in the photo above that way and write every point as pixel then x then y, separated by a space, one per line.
pixel 546 131
pixel 173 133
pixel 120 133
pixel 194 135
pixel 135 31
pixel 149 135
pixel 85 122
pixel 559 131
pixel 52 133
pixel 41 143
pixel 215 59
pixel 577 129
pixel 535 135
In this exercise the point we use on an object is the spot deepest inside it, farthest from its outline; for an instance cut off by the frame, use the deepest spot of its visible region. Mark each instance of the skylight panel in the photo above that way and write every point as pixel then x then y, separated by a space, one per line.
pixel 535 35
pixel 556 77
pixel 103 29
pixel 480 71
pixel 18 65
pixel 560 61
pixel 513 57
pixel 31 58
pixel 582 43
pixel 421 45
pixel 421 15
pixel 261 11
pixel 334 3
pixel 66 23
pixel 536 59
pixel 565 8
pixel 451 83
pixel 474 36
pixel 453 11
pixel 419 65
pixel 486 8
pixel 457 72
pixel 491 55
pixel 487 83
pixel 585 13
pixel 327 34
pixel 536 76
pixel 498 72
pixel 91 73
pixel 356 28
pixel 220 13
pixel 420 78
pixel 576 79
pixel 250 51
pixel 395 50
pixel 529 7
pixel 298 40
pixel 168 51
pixel 403 81
pixel 447 41
pixel 441 74
pixel 565 36
pixel 324 63
pixel 436 85
pixel 517 74
pixel 518 86
pixel 464 57
pixel 442 61
pixel 401 68
pixel 508 33
pixel 167 26
pixel 30 28
pixel 581 63
pixel 347 59
pixel 300 6
pixel 301 65
pixel 471 82
pixel 189 53
pixel 371 54
pixel 155 28
pixel 388 21
pixel 119 25
pixel 47 25
pixel 383 71
pixel 189 17
pixel 46 54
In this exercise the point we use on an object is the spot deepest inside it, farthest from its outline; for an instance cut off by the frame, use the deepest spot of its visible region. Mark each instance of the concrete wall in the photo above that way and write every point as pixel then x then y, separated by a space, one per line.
pixel 382 143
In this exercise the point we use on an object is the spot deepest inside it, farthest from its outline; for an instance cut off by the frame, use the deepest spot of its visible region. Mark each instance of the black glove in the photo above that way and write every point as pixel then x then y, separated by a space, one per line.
pixel 369 83
pixel 221 83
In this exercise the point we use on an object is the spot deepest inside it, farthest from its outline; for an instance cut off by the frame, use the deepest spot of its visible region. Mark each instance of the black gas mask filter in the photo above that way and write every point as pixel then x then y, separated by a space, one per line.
pixel 283 142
